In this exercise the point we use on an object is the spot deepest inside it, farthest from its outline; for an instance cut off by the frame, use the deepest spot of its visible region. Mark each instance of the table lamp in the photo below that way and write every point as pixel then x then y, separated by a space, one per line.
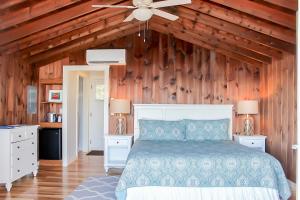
pixel 119 108
pixel 248 107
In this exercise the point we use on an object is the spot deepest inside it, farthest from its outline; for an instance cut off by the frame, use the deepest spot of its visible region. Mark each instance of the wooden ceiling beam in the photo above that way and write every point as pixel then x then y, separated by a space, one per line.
pixel 87 42
pixel 261 11
pixel 211 40
pixel 9 3
pixel 59 30
pixel 236 30
pixel 289 4
pixel 50 21
pixel 70 36
pixel 188 38
pixel 32 11
pixel 244 20
pixel 118 19
pixel 227 38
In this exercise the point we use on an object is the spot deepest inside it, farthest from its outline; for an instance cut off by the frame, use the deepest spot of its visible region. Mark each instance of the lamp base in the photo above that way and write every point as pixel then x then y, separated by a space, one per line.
pixel 120 126
pixel 248 126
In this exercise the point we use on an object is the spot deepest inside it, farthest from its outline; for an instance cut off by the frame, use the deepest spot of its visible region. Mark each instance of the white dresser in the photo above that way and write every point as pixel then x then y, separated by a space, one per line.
pixel 117 148
pixel 18 153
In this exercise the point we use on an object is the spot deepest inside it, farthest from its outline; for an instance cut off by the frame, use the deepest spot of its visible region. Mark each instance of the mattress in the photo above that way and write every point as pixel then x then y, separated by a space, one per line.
pixel 208 165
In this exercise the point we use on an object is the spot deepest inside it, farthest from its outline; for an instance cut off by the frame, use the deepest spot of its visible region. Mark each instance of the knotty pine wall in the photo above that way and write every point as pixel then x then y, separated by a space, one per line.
pixel 168 70
pixel 278 111
pixel 15 76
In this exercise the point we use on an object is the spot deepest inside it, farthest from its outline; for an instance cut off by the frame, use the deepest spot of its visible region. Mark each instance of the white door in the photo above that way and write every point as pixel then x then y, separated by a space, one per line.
pixel 96 116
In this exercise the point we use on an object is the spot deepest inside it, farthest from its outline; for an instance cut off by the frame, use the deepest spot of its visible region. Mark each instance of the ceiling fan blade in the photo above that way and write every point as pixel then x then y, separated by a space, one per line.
pixel 164 14
pixel 129 18
pixel 167 3
pixel 112 6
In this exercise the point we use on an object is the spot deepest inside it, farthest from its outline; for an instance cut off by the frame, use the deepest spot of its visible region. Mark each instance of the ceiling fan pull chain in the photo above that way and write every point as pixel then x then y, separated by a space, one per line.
pixel 139 30
pixel 145 33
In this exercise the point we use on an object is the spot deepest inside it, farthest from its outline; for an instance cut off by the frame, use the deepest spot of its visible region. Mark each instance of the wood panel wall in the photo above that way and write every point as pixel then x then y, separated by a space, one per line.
pixel 15 76
pixel 168 70
pixel 278 111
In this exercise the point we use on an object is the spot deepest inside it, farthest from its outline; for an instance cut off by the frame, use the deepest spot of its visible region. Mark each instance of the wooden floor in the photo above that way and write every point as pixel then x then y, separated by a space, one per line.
pixel 54 181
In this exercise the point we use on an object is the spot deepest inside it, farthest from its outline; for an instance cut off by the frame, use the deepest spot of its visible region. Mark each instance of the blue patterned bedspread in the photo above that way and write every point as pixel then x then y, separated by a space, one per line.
pixel 200 164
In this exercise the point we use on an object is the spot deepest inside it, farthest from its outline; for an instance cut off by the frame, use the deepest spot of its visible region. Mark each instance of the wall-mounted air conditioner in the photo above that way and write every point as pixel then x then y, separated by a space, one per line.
pixel 110 56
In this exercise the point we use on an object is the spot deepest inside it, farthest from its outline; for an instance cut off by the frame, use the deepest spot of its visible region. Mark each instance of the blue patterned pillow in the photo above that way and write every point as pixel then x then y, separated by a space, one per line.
pixel 161 130
pixel 207 129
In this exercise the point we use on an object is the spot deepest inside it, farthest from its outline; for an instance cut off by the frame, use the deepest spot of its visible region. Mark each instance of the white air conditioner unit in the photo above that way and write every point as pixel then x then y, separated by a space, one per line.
pixel 109 56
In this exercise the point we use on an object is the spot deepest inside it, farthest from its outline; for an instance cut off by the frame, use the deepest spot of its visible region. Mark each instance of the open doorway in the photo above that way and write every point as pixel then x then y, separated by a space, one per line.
pixel 90 115
pixel 85 90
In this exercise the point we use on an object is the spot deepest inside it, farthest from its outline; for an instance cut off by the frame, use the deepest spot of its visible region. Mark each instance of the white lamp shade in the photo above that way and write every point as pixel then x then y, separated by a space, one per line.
pixel 119 106
pixel 247 107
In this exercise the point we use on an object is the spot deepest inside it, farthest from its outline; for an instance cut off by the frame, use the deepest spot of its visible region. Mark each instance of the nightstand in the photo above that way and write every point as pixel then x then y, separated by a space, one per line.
pixel 117 148
pixel 254 141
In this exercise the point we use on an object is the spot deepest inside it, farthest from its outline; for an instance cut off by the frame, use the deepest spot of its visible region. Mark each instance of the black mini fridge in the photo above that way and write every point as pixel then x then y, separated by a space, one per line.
pixel 50 144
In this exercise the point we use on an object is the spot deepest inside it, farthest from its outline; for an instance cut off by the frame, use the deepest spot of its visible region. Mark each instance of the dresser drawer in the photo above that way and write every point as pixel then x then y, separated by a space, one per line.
pixel 117 142
pixel 252 143
pixel 16 161
pixel 17 149
pixel 17 172
pixel 31 133
pixel 18 135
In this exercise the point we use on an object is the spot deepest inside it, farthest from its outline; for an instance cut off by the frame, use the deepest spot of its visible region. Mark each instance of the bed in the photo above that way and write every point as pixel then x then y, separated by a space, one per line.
pixel 197 169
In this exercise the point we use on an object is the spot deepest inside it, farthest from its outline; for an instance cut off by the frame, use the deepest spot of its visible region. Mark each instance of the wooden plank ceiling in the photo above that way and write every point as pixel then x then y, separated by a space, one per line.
pixel 253 31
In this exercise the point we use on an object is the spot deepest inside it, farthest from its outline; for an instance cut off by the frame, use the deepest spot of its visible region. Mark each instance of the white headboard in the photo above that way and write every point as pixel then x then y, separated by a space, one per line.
pixel 181 111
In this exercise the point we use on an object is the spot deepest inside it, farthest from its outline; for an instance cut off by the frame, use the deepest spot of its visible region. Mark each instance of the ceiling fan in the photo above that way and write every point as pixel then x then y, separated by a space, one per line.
pixel 145 9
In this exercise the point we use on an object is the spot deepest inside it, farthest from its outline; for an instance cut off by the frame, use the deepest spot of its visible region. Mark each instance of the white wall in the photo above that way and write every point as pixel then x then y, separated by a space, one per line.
pixel 86 113
pixel 70 90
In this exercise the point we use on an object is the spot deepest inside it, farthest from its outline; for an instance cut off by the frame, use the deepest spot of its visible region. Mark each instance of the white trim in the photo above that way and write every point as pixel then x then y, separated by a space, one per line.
pixel 70 68
pixel 181 111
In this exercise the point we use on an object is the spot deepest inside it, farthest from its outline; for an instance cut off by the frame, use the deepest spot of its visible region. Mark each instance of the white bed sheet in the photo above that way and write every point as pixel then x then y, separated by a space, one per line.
pixel 195 193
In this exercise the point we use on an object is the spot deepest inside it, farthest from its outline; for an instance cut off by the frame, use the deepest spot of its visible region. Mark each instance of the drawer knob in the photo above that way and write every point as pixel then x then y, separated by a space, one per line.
pixel 31 133
pixel 32 163
pixel 252 142
pixel 18 158
pixel 32 153
pixel 32 143
pixel 19 170
pixel 117 142
pixel 20 135
pixel 18 147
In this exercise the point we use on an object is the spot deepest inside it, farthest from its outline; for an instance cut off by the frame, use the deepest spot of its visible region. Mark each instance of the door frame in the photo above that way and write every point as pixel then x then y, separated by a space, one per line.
pixel 65 135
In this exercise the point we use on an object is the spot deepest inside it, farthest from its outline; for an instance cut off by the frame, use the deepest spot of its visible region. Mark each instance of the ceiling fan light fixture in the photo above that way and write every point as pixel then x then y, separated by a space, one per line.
pixel 142 14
